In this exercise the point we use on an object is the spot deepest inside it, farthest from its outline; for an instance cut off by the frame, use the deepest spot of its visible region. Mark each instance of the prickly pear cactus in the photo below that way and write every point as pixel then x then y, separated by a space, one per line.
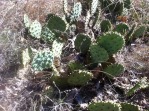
pixel 117 7
pixel 94 6
pixel 139 31
pixel 56 23
pixel 59 81
pixel 82 43
pixel 113 70
pixel 75 65
pixel 122 28
pixel 98 54
pixel 42 60
pixel 26 56
pixel 112 42
pixel 79 77
pixel 76 12
pixel 47 35
pixel 128 36
pixel 104 106
pixel 129 107
pixel 27 21
pixel 35 29
pixel 127 4
pixel 143 83
pixel 57 48
pixel 105 26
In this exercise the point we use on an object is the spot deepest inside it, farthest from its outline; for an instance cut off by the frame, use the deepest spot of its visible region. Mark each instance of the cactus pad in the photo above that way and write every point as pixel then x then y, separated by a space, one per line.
pixel 98 54
pixel 75 65
pixel 112 42
pixel 26 56
pixel 82 43
pixel 76 12
pixel 79 77
pixel 122 28
pixel 105 26
pixel 141 84
pixel 60 81
pixel 139 31
pixel 35 29
pixel 42 60
pixel 127 4
pixel 114 70
pixel 94 6
pixel 27 21
pixel 56 23
pixel 129 107
pixel 104 106
pixel 47 35
pixel 57 48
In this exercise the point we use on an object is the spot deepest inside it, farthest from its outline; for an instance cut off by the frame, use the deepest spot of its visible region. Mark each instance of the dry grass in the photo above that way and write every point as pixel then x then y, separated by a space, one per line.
pixel 11 34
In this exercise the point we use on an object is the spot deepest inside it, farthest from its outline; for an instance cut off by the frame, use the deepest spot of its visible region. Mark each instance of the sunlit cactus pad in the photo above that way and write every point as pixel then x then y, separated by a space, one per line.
pixel 47 35
pixel 35 29
pixel 42 60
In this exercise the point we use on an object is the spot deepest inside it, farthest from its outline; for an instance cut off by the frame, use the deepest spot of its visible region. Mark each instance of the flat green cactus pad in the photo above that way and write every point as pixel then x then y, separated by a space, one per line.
pixel 82 43
pixel 122 28
pixel 60 81
pixel 114 70
pixel 98 54
pixel 104 106
pixel 42 60
pixel 112 42
pixel 57 48
pixel 75 65
pixel 105 26
pixel 35 29
pixel 139 31
pixel 79 77
pixel 56 23
pixel 127 4
pixel 129 107
pixel 27 21
pixel 47 35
